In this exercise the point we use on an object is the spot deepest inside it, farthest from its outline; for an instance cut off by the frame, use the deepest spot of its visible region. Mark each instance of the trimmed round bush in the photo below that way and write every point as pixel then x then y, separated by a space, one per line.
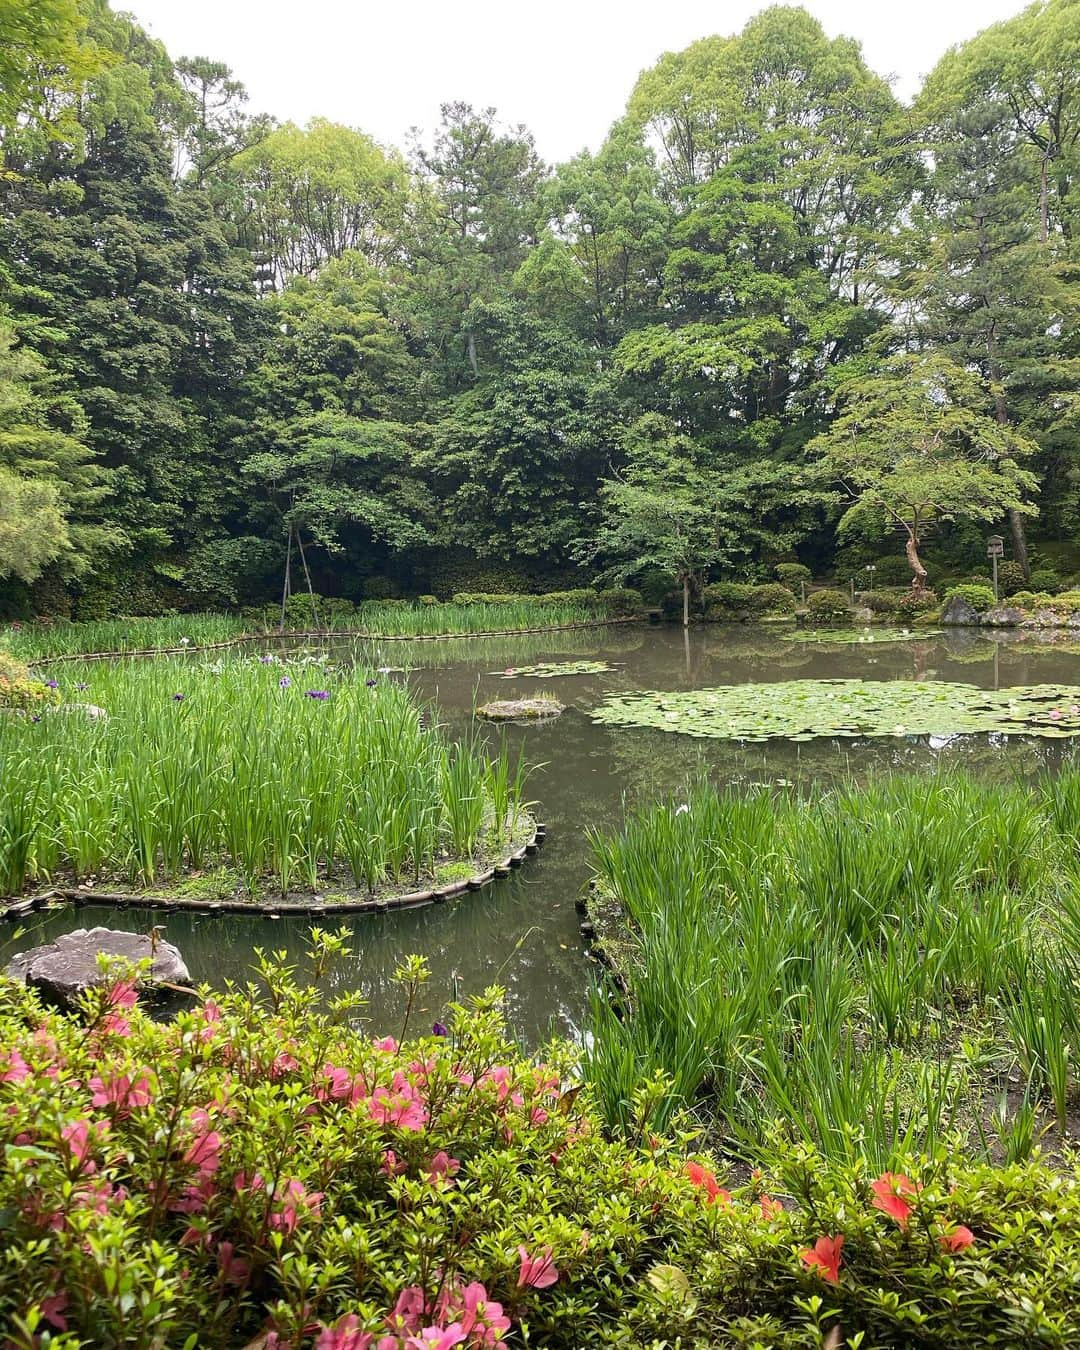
pixel 1011 577
pixel 828 608
pixel 884 601
pixel 791 573
pixel 981 598
pixel 1044 579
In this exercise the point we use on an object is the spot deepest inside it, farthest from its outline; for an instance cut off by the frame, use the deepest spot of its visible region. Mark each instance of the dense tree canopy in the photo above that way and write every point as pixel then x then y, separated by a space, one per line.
pixel 723 339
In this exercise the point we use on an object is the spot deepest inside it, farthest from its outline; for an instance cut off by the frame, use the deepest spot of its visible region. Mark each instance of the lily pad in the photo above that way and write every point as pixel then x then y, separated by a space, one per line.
pixel 869 636
pixel 801 710
pixel 550 670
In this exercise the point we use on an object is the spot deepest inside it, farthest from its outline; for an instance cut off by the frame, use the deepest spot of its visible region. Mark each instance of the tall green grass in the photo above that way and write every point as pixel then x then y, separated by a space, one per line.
pixel 234 763
pixel 393 619
pixel 832 963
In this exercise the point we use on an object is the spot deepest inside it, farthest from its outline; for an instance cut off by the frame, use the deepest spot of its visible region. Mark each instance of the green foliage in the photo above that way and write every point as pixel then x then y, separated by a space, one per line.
pixel 732 600
pixel 249 1158
pixel 19 691
pixel 1044 579
pixel 1011 577
pixel 293 773
pixel 838 964
pixel 791 573
pixel 915 603
pixel 981 598
pixel 828 608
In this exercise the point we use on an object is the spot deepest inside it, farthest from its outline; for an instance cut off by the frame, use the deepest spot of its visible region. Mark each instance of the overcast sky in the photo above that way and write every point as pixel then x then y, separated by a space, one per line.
pixel 563 67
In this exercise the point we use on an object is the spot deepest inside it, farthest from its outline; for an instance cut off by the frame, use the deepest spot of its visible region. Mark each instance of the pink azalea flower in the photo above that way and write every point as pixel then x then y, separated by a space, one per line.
pixel 234 1269
pixel 16 1069
pixel 482 1319
pixel 283 1064
pixel 336 1085
pixel 242 1182
pixel 52 1309
pixel 345 1334
pixel 437 1338
pixel 387 1045
pixel 81 1139
pixel 291 1203
pixel 392 1166
pixel 204 1153
pixel 400 1105
pixel 408 1311
pixel 195 1196
pixel 441 1168
pixel 120 1093
pixel 537 1272
pixel 122 995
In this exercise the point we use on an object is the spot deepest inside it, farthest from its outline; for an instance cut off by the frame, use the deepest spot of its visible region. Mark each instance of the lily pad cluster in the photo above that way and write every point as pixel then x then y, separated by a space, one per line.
pixel 800 710
pixel 549 670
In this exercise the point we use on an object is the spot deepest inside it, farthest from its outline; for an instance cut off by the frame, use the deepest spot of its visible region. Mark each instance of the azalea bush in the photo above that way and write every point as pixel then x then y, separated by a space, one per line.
pixel 261 1170
pixel 828 608
pixel 20 691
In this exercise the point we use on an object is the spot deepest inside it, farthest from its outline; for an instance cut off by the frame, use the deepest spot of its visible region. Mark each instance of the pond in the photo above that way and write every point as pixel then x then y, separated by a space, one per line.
pixel 523 932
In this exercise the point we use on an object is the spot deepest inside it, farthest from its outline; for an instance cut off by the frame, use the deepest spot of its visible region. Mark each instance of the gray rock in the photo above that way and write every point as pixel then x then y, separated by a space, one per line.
pixel 63 969
pixel 1004 616
pixel 520 709
pixel 959 612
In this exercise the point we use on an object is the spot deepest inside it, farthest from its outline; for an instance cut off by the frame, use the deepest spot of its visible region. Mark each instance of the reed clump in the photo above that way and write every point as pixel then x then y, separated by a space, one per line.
pixel 868 971
pixel 296 775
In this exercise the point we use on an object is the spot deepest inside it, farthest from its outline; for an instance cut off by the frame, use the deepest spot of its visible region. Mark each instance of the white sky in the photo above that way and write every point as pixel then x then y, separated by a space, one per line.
pixel 563 67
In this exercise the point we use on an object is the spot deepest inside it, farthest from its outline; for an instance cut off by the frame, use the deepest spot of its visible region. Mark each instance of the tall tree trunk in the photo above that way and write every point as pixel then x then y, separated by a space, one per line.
pixel 918 579
pixel 686 600
pixel 1016 520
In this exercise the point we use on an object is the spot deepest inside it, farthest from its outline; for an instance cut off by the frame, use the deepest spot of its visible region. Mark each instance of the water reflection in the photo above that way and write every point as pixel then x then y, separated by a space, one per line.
pixel 522 932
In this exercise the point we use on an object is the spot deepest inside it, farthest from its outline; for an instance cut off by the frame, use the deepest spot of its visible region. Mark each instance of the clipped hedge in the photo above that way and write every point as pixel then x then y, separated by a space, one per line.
pixel 733 600
pixel 791 573
pixel 980 598
pixel 828 608
pixel 261 1172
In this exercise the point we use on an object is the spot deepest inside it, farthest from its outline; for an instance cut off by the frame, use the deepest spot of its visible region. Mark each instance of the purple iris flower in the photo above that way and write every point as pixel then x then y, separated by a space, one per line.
pixel 316 693
pixel 82 686
pixel 438 1029
pixel 284 682
pixel 267 660
pixel 178 698
pixel 371 683
pixel 52 684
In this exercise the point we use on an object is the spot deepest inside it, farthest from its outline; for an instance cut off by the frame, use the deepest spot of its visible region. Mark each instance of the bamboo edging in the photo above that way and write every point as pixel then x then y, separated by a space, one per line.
pixel 278 909
pixel 322 633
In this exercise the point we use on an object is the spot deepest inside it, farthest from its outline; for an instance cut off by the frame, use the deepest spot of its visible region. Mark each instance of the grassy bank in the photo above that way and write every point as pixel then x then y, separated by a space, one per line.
pixel 391 619
pixel 290 775
pixel 873 970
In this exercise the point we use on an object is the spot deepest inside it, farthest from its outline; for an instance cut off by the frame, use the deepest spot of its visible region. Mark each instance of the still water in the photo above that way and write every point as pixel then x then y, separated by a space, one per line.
pixel 522 932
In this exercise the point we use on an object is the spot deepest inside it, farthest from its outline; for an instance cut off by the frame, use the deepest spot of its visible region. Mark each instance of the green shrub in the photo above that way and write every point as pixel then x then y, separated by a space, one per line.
pixel 623 602
pixel 792 573
pixel 885 601
pixel 981 598
pixel 773 598
pixel 259 1171
pixel 735 600
pixel 1011 577
pixel 378 588
pixel 428 600
pixel 917 602
pixel 828 609
pixel 1043 579
pixel 20 690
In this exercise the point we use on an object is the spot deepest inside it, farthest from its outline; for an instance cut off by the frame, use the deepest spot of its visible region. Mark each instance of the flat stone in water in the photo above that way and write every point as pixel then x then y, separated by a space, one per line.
pixel 63 969
pixel 520 709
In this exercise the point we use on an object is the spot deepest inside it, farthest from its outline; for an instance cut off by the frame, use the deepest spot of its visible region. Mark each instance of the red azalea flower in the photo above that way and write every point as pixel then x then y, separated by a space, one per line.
pixel 889 1191
pixel 824 1256
pixel 956 1239
pixel 702 1177
pixel 770 1208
